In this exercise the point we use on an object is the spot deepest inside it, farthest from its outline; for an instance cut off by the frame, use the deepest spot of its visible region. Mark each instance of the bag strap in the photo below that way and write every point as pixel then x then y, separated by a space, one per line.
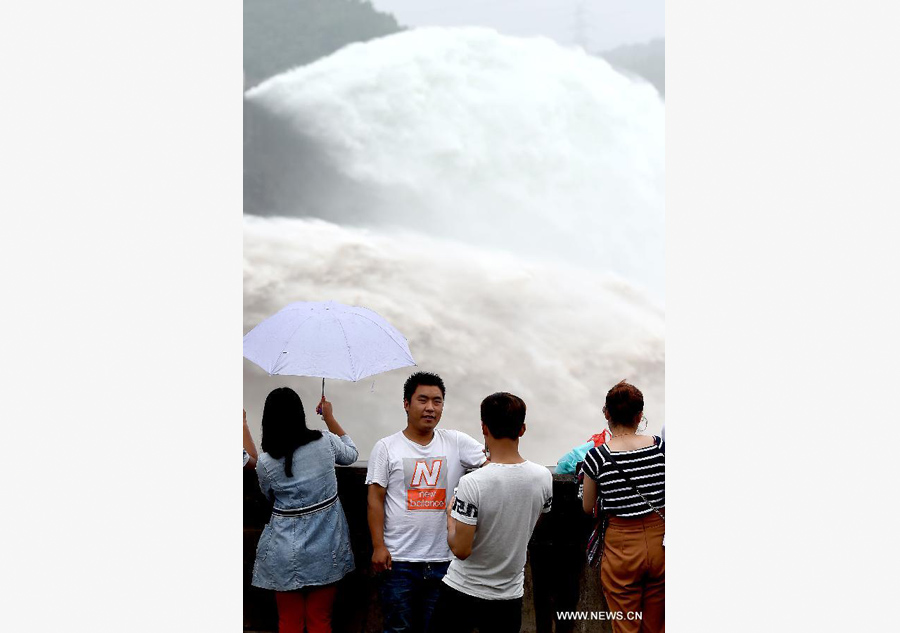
pixel 629 481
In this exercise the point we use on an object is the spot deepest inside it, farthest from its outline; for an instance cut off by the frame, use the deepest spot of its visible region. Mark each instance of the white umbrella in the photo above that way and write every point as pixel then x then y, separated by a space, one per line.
pixel 326 340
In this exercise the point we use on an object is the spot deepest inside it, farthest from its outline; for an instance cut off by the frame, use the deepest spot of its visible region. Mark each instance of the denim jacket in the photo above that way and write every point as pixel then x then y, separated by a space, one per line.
pixel 313 548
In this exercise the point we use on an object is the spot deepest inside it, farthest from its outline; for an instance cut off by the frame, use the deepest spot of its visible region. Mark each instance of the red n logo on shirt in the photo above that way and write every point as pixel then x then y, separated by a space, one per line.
pixel 421 471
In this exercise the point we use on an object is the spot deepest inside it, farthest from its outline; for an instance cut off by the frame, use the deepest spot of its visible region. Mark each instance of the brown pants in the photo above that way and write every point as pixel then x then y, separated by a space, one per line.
pixel 633 573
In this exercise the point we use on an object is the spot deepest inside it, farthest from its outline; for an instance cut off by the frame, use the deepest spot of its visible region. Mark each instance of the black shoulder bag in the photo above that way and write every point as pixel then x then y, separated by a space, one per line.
pixel 594 549
pixel 631 483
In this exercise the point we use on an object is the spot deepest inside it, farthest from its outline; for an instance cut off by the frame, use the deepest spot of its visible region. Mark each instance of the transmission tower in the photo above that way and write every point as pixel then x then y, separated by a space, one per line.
pixel 581 25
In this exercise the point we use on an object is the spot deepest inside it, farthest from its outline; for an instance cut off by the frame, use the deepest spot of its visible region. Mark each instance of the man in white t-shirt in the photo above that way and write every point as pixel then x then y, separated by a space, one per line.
pixel 411 477
pixel 489 525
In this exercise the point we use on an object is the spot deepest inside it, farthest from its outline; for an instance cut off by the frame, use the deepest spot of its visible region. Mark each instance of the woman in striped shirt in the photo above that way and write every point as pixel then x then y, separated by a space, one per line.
pixel 627 474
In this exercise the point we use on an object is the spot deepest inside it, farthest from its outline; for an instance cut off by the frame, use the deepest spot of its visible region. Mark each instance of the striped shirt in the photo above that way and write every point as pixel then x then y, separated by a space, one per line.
pixel 645 466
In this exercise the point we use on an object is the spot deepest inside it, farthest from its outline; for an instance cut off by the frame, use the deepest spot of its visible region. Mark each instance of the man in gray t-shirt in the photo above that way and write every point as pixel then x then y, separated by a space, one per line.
pixel 489 523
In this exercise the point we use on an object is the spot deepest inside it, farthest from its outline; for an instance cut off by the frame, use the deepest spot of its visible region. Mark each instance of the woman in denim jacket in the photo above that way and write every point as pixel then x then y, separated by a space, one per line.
pixel 305 548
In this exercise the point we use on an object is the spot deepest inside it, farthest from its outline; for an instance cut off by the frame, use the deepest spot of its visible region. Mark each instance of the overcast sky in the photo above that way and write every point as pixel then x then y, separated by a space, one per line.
pixel 606 23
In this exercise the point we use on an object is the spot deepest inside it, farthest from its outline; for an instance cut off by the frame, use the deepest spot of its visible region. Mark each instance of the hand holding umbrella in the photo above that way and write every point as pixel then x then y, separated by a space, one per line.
pixel 324 409
pixel 326 340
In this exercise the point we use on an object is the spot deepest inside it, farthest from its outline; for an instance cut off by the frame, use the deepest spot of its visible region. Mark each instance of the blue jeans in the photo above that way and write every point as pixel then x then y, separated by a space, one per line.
pixel 409 592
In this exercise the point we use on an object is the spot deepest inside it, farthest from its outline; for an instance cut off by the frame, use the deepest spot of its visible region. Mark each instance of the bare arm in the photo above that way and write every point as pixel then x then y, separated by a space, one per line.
pixel 381 557
pixel 460 536
pixel 345 452
pixel 590 495
pixel 249 446
pixel 327 413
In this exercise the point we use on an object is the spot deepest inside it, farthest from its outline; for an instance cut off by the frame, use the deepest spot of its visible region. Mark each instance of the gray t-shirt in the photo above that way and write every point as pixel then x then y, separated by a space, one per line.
pixel 503 501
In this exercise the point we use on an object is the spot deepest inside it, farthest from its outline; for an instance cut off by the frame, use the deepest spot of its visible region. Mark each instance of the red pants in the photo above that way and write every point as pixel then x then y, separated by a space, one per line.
pixel 633 573
pixel 306 607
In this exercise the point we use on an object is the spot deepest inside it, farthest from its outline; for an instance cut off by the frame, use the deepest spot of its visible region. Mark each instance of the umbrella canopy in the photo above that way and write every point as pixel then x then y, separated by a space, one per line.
pixel 326 340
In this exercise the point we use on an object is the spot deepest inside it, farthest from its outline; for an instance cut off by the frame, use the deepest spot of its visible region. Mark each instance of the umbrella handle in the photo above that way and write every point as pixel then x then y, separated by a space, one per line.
pixel 319 406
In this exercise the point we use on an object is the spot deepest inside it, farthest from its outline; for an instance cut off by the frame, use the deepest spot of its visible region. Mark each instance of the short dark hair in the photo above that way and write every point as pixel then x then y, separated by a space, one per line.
pixel 623 403
pixel 503 414
pixel 422 378
pixel 284 426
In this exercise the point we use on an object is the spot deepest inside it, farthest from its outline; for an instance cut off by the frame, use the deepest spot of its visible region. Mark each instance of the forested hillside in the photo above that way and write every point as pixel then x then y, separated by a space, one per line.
pixel 281 34
pixel 645 60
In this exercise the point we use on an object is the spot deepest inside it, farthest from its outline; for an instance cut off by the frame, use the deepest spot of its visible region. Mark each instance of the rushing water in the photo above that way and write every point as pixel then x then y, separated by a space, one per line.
pixel 499 200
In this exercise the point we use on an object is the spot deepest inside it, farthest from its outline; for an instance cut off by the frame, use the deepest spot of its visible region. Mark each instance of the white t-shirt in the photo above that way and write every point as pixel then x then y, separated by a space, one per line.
pixel 420 482
pixel 503 501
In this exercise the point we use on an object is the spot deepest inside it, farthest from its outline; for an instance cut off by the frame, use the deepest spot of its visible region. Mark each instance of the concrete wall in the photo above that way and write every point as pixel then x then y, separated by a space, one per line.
pixel 556 577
